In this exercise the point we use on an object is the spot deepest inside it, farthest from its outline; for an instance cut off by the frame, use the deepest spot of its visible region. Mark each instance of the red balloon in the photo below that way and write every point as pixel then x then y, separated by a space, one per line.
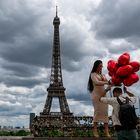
pixel 112 66
pixel 124 70
pixel 110 73
pixel 135 65
pixel 124 59
pixel 131 79
pixel 116 80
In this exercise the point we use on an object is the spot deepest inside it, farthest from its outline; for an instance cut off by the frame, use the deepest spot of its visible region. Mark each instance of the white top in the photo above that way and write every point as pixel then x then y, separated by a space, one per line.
pixel 114 103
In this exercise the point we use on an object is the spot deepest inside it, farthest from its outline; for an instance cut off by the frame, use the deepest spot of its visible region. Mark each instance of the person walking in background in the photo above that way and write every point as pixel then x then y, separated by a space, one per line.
pixel 96 83
pixel 123 133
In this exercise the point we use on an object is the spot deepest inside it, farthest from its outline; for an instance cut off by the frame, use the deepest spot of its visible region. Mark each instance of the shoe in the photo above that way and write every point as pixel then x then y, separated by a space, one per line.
pixel 96 136
pixel 109 136
pixel 95 133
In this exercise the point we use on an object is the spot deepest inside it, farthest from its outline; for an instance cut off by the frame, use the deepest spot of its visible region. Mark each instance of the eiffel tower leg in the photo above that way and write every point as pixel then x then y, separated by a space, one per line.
pixel 66 104
pixel 63 105
pixel 47 105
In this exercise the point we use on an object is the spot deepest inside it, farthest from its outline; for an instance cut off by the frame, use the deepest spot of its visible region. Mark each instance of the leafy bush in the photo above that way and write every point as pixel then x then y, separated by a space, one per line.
pixel 14 133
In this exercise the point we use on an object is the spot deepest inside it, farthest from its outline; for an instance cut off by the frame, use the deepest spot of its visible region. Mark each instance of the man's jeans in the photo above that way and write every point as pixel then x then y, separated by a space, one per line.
pixel 127 134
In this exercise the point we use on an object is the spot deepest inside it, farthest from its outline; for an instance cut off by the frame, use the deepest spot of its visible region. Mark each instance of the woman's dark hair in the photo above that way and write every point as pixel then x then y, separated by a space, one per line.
pixel 94 69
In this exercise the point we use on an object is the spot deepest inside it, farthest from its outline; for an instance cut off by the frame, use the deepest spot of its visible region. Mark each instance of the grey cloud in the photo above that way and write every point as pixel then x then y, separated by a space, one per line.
pixel 25 42
pixel 135 40
pixel 71 47
pixel 81 97
pixel 121 47
pixel 14 109
pixel 33 53
pixel 18 74
pixel 14 103
pixel 116 19
pixel 15 21
pixel 16 112
pixel 71 65
pixel 21 70
pixel 25 82
pixel 7 97
pixel 37 94
pixel 22 37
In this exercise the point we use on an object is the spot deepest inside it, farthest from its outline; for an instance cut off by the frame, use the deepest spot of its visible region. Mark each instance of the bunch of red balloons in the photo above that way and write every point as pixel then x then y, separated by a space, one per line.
pixel 123 71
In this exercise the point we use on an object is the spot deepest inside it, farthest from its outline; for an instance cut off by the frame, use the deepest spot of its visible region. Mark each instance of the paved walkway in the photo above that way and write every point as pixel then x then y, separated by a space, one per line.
pixel 10 138
pixel 55 138
pixel 68 138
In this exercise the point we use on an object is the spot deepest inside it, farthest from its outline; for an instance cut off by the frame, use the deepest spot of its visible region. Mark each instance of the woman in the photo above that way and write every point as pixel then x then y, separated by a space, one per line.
pixel 96 83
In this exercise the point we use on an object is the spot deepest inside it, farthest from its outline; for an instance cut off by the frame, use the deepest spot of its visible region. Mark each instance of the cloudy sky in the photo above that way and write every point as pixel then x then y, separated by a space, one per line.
pixel 89 30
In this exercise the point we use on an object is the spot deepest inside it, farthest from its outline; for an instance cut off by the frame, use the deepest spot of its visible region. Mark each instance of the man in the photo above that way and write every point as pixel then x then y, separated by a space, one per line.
pixel 122 134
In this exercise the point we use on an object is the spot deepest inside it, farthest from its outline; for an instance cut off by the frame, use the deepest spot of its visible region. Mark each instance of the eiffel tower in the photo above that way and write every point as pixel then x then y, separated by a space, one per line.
pixel 48 120
pixel 56 88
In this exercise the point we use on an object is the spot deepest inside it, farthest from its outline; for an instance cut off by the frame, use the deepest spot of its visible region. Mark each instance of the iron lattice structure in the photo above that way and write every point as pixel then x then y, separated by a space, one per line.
pixel 56 89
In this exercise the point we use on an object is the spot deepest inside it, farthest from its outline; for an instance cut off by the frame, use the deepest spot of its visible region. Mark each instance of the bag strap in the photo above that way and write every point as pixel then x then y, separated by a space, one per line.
pixel 127 99
pixel 119 101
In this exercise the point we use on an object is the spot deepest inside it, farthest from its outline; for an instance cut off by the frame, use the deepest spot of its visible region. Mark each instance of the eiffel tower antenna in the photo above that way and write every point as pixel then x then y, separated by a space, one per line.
pixel 56 11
